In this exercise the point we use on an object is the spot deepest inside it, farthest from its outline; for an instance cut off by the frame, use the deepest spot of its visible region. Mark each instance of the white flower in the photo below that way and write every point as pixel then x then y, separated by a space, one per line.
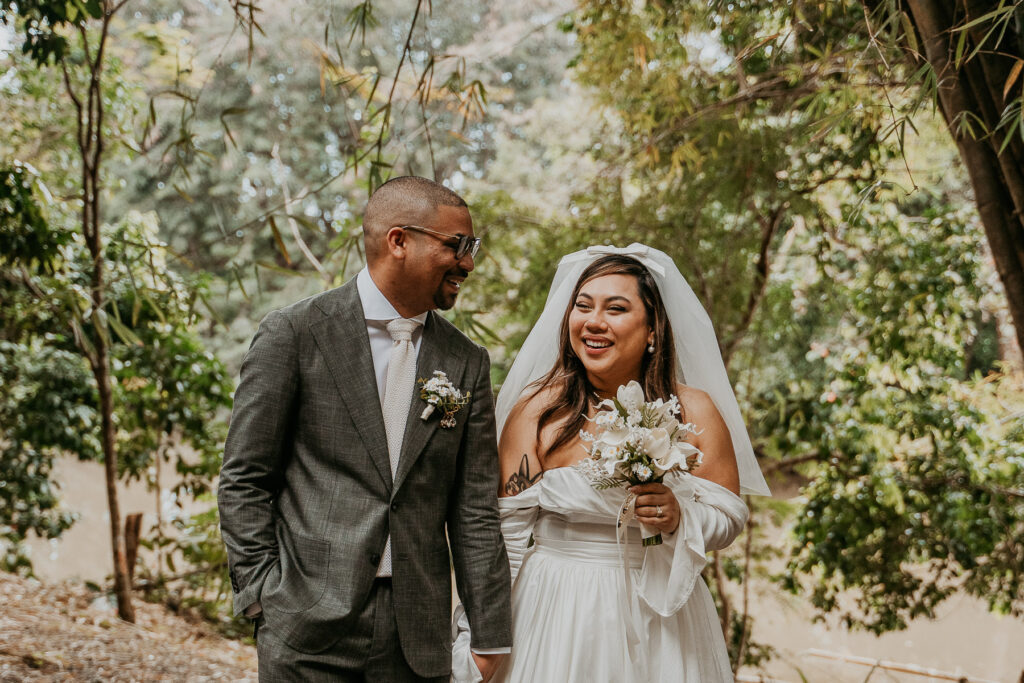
pixel 438 391
pixel 656 444
pixel 612 453
pixel 676 457
pixel 615 434
pixel 642 472
pixel 631 396
pixel 638 441
pixel 662 412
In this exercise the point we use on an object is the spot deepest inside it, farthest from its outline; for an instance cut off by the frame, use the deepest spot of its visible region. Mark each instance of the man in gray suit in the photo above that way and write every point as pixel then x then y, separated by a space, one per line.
pixel 339 498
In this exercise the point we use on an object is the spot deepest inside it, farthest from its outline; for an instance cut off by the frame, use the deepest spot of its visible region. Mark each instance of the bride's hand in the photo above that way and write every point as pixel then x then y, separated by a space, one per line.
pixel 652 499
pixel 487 664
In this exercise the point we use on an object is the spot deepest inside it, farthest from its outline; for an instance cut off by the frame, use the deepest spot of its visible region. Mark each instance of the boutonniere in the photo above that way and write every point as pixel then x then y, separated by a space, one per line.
pixel 439 392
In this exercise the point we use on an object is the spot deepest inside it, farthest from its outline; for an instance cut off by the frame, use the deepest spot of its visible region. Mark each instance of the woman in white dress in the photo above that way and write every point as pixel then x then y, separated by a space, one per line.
pixel 590 604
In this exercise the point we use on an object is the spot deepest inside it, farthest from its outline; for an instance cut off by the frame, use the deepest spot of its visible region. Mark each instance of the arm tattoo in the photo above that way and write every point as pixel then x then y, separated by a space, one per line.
pixel 521 480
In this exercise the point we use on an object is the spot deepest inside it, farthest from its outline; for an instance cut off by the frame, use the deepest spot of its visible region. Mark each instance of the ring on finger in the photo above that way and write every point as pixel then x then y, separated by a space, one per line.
pixel 658 513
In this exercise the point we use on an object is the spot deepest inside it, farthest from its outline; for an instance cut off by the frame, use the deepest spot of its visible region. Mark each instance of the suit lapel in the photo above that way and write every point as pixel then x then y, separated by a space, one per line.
pixel 435 354
pixel 342 339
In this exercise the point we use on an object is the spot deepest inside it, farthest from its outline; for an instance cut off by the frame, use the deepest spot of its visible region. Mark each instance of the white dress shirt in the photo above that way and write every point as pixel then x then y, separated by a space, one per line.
pixel 378 312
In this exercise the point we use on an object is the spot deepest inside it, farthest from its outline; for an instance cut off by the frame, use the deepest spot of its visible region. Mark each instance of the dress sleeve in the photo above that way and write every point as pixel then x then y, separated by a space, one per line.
pixel 712 517
pixel 518 515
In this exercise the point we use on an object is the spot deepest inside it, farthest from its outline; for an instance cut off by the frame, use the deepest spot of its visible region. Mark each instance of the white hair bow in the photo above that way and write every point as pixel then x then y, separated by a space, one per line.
pixel 636 250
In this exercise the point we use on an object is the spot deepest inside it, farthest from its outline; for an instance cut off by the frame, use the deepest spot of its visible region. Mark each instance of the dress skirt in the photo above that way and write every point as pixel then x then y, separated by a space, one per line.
pixel 571 616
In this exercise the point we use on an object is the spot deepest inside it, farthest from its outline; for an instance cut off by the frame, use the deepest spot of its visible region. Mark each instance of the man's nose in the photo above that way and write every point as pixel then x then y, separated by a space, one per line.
pixel 467 263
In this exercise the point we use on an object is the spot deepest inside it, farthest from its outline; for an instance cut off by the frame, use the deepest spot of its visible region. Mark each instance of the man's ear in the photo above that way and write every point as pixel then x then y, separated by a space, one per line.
pixel 397 241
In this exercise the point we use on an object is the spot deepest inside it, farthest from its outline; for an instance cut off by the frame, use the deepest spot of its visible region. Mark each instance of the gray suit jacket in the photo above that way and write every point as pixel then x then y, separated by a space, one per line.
pixel 307 499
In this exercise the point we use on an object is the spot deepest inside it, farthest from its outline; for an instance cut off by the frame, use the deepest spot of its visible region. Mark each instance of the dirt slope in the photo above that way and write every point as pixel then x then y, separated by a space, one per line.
pixel 61 632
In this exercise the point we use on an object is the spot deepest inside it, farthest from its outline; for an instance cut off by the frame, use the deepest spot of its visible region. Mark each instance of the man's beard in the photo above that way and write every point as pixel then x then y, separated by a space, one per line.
pixel 442 299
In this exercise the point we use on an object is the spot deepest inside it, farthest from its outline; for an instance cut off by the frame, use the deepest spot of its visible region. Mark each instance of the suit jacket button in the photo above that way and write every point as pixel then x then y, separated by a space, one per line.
pixel 394 507
pixel 375 559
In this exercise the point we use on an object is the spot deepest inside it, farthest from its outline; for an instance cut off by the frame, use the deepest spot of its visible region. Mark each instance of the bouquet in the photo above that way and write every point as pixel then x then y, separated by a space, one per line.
pixel 639 442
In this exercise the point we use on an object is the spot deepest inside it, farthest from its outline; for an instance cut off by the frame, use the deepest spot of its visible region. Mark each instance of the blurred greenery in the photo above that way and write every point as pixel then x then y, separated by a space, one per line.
pixel 794 172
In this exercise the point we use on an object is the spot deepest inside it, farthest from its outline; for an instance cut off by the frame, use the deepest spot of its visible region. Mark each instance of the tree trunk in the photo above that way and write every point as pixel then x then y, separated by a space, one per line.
pixel 976 90
pixel 122 584
pixel 132 535
pixel 90 145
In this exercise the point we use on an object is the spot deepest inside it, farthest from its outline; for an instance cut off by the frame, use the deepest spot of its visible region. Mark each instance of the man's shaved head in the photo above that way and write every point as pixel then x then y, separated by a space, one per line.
pixel 406 200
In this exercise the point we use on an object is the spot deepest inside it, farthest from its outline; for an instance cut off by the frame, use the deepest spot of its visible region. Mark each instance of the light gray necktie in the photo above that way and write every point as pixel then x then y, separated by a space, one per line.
pixel 398 391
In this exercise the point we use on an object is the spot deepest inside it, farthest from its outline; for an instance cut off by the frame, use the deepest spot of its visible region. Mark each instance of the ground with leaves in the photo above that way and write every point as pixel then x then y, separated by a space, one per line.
pixel 62 632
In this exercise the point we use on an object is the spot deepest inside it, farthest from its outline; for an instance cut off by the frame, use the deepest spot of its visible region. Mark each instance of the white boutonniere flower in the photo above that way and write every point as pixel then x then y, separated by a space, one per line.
pixel 441 394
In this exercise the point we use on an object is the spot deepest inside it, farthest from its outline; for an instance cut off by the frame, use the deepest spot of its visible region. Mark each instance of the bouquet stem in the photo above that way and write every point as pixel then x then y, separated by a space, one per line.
pixel 649 536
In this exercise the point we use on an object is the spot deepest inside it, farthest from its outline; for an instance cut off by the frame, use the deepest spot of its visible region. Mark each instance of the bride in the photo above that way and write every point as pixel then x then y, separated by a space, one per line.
pixel 589 605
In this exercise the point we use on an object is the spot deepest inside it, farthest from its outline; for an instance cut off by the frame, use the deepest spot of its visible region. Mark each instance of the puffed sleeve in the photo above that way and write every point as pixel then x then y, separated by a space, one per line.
pixel 712 517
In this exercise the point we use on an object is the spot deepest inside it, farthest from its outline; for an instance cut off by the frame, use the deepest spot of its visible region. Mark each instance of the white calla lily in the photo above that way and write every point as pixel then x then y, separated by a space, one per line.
pixel 631 396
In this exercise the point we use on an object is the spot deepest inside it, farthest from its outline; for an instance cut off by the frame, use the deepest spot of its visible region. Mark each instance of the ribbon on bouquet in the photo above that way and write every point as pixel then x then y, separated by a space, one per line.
pixel 637 653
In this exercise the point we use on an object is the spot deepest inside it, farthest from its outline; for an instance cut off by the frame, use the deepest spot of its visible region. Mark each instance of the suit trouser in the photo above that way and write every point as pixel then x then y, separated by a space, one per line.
pixel 369 653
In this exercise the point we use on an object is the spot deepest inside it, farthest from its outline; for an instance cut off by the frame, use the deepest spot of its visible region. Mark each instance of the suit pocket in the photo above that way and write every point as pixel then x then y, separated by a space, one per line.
pixel 304 564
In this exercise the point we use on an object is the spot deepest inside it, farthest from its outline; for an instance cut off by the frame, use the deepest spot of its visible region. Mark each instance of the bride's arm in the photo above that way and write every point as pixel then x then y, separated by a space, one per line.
pixel 517 447
pixel 705 511
pixel 714 440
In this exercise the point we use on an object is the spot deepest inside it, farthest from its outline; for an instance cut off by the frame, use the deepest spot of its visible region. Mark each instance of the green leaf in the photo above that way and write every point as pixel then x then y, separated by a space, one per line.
pixel 909 32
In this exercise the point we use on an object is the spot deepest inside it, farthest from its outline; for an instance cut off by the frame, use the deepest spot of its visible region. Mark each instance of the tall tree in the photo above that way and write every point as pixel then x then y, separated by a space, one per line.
pixel 975 52
pixel 75 36
pixel 82 61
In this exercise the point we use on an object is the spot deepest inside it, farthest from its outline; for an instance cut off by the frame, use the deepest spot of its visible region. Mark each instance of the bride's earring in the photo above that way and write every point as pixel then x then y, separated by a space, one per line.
pixel 650 348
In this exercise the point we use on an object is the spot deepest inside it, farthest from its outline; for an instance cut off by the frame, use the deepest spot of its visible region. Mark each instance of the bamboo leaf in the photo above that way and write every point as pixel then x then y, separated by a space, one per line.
pixel 184 195
pixel 123 332
pixel 231 111
pixel 279 241
pixel 961 45
pixel 1009 134
pixel 156 309
pixel 1012 78
pixel 284 271
pixel 998 14
pixel 238 279
pixel 908 30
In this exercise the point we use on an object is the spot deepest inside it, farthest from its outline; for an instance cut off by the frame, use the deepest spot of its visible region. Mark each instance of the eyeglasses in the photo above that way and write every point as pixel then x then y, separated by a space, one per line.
pixel 463 244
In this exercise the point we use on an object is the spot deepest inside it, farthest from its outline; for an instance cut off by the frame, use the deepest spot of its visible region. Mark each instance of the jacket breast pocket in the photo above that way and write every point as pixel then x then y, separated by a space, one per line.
pixel 304 566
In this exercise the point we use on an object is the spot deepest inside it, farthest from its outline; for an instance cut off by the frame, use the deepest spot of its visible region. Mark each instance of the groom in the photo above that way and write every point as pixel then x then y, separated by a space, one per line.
pixel 338 497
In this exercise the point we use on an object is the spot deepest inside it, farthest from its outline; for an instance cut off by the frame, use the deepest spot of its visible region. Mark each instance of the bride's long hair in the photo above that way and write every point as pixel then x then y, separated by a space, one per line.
pixel 573 394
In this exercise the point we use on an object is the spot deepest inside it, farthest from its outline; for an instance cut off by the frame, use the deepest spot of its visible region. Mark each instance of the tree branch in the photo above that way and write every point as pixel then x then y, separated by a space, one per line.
pixel 789 463
pixel 769 228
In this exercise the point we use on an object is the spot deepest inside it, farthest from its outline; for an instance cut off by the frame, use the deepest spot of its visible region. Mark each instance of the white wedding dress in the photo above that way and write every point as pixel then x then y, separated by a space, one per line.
pixel 576 614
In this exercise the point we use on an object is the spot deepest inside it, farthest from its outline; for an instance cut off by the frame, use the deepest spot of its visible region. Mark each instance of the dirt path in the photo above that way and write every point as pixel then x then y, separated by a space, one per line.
pixel 61 632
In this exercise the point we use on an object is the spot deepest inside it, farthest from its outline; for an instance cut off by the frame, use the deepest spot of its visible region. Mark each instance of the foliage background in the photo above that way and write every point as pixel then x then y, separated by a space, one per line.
pixel 798 177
